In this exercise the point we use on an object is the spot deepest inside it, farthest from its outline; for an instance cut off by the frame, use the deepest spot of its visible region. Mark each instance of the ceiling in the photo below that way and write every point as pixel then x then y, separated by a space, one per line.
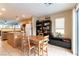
pixel 14 10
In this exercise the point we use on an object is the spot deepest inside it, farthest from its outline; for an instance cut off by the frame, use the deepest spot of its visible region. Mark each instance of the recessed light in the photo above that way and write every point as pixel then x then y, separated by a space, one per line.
pixel 0 13
pixel 23 16
pixel 3 9
pixel 17 18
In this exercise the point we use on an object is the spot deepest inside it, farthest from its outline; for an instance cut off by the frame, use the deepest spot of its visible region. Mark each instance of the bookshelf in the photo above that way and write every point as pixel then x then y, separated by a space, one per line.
pixel 43 27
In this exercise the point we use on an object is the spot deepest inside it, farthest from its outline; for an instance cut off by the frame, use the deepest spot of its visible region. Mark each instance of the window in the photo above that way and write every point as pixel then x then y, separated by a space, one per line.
pixel 9 26
pixel 17 26
pixel 59 27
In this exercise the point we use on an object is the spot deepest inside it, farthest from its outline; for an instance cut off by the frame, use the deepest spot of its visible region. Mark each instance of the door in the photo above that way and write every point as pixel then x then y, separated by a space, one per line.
pixel 78 32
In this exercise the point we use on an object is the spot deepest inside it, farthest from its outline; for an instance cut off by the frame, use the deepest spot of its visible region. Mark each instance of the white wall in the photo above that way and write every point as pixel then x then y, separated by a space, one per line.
pixel 74 37
pixel 53 25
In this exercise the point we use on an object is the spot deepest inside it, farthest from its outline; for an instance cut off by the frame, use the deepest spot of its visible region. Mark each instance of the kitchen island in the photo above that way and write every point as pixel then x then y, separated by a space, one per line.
pixel 14 38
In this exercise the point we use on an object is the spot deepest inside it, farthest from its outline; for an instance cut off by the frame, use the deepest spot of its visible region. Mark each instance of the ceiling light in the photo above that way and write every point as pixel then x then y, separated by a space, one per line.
pixel 17 18
pixel 0 13
pixel 48 4
pixel 3 9
pixel 23 16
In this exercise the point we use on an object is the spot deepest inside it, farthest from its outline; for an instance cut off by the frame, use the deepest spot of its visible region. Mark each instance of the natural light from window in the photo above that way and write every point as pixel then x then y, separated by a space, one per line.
pixel 59 27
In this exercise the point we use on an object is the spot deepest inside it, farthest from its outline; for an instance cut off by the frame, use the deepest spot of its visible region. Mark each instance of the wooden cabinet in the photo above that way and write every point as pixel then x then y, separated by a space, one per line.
pixel 44 27
pixel 4 35
pixel 14 39
pixel 11 39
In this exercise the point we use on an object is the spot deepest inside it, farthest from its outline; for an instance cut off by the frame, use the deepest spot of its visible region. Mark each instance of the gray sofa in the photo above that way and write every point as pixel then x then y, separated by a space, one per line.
pixel 62 42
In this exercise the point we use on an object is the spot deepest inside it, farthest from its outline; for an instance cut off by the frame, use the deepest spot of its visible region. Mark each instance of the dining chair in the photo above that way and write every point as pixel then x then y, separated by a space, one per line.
pixel 27 47
pixel 38 46
pixel 42 47
pixel 45 46
pixel 40 34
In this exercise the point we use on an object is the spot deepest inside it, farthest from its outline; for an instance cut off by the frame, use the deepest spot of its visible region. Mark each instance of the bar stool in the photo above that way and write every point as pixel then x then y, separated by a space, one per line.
pixel 38 47
pixel 45 46
pixel 42 47
pixel 27 47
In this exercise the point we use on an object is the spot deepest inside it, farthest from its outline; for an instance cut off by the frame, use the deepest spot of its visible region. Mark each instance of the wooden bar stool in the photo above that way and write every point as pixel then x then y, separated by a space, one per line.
pixel 27 46
pixel 45 46
pixel 38 45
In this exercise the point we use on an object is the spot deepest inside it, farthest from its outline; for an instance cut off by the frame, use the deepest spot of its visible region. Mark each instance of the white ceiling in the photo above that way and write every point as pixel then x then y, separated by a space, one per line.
pixel 32 9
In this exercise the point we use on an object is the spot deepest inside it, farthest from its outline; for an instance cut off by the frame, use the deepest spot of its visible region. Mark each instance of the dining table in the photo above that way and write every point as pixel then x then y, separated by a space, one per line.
pixel 35 40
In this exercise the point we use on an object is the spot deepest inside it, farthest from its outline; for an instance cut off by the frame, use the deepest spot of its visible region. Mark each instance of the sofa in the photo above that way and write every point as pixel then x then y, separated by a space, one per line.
pixel 62 42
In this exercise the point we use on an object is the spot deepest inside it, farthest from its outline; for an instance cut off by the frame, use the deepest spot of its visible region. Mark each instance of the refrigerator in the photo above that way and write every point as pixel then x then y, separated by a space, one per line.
pixel 28 29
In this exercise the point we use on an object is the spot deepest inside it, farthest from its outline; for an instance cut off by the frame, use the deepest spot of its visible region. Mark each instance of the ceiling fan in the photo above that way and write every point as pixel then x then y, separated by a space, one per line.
pixel 48 4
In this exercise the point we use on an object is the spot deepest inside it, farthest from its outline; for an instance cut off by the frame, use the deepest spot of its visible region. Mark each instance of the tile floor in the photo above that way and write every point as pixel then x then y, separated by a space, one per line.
pixel 7 50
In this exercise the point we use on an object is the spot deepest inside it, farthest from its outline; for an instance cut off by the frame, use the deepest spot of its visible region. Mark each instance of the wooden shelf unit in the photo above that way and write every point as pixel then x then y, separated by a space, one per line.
pixel 43 26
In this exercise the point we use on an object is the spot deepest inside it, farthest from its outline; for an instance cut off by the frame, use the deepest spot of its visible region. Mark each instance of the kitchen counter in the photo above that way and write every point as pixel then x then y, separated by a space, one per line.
pixel 6 31
pixel 12 38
